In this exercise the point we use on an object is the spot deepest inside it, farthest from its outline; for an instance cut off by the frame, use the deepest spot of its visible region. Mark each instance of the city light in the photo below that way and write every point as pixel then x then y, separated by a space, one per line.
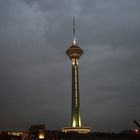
pixel 41 135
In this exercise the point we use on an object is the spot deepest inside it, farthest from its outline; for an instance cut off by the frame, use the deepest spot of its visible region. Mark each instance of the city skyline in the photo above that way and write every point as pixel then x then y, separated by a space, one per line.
pixel 35 72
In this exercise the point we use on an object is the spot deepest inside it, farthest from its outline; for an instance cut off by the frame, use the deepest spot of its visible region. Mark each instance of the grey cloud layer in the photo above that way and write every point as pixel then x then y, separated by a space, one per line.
pixel 35 72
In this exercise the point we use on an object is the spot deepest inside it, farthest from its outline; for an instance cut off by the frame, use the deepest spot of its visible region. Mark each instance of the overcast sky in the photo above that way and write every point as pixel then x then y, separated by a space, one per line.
pixel 35 73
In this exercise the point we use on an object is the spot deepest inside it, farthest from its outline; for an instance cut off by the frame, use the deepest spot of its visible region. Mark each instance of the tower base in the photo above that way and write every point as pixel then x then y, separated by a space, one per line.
pixel 82 130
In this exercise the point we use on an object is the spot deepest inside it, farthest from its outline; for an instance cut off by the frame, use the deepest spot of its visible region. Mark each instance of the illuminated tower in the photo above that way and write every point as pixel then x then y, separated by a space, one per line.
pixel 74 52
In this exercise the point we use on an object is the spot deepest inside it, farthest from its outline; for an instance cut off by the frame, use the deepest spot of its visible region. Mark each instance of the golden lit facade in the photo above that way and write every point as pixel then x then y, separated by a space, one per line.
pixel 41 135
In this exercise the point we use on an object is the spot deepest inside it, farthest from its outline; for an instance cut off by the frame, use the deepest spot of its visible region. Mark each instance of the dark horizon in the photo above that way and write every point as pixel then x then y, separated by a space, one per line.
pixel 35 73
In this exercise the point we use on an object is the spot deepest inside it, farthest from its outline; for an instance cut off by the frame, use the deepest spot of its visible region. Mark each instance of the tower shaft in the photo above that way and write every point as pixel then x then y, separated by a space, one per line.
pixel 75 115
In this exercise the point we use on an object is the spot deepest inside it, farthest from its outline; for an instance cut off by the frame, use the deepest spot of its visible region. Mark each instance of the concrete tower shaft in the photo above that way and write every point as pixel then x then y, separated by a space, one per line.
pixel 74 52
pixel 75 114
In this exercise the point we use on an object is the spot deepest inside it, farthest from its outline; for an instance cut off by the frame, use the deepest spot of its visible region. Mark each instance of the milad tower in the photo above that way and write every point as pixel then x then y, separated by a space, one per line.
pixel 74 53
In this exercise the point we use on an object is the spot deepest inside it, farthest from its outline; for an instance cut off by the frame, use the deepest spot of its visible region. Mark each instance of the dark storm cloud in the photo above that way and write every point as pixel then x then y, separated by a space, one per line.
pixel 35 72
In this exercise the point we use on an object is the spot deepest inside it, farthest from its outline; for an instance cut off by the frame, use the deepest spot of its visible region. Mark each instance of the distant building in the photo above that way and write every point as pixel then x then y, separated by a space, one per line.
pixel 37 132
pixel 14 135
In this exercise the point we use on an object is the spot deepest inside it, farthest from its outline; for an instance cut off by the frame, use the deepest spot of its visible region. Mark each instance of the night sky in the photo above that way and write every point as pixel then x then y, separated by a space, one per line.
pixel 35 72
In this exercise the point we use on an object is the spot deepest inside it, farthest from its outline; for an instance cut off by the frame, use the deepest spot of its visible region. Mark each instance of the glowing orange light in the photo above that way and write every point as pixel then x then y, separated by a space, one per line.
pixel 41 135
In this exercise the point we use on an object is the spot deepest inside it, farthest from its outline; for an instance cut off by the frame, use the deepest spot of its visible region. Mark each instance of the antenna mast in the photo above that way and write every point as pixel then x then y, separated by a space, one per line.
pixel 74 36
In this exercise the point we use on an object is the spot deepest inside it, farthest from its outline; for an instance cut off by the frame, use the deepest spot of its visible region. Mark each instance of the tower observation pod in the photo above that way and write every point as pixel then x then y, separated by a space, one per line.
pixel 74 52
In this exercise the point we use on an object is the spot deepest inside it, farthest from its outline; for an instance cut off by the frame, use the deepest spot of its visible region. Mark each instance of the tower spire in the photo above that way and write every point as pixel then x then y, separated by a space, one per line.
pixel 74 35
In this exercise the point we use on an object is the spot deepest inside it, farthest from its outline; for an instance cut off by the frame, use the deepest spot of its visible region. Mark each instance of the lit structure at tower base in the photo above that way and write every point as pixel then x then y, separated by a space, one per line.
pixel 80 130
pixel 74 52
